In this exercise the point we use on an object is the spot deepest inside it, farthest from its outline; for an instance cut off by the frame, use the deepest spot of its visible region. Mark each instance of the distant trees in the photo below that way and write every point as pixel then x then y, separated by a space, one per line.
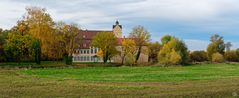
pixel 173 52
pixel 232 56
pixel 198 56
pixel 228 46
pixel 141 37
pixel 216 46
pixel 106 42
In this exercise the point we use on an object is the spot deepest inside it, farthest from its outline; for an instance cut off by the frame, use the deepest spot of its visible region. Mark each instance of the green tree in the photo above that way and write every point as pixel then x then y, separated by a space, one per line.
pixel 37 51
pixel 216 46
pixel 106 42
pixel 2 42
pixel 141 37
pixel 18 46
pixel 165 39
pixel 154 48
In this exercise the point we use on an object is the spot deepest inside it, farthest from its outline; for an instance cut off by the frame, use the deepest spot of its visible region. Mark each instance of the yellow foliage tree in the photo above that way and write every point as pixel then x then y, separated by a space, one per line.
pixel 129 51
pixel 175 58
pixel 40 26
pixel 100 54
pixel 105 41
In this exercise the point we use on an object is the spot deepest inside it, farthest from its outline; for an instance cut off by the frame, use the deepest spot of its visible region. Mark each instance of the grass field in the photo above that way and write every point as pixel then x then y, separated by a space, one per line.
pixel 219 80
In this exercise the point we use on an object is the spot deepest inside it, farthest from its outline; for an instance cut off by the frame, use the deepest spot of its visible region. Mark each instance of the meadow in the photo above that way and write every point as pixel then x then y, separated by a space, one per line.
pixel 206 80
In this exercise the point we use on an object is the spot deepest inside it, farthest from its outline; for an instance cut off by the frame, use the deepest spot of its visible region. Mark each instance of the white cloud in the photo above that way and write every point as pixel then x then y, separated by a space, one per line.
pixel 204 15
pixel 90 12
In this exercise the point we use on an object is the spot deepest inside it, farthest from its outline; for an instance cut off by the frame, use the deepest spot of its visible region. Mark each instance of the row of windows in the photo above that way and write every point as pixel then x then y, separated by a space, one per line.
pixel 85 58
pixel 88 51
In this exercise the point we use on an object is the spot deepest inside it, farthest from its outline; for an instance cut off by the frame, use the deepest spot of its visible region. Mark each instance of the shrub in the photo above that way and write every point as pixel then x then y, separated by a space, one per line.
pixel 217 58
pixel 198 56
pixel 231 56
pixel 130 59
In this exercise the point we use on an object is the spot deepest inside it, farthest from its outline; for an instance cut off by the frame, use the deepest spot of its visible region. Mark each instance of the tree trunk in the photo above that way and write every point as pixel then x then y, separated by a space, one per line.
pixel 105 57
pixel 138 54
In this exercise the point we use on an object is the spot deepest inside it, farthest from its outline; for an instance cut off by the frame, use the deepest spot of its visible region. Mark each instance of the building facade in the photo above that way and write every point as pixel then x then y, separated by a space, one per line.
pixel 87 53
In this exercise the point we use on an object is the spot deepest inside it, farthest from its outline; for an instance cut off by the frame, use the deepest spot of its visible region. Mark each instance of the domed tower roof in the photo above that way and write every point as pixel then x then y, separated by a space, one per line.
pixel 117 24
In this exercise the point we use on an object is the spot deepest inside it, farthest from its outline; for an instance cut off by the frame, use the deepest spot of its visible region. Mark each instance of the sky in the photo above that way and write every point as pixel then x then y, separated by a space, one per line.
pixel 193 21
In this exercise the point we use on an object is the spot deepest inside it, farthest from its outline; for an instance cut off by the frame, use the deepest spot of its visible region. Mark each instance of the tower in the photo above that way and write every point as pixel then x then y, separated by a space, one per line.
pixel 117 29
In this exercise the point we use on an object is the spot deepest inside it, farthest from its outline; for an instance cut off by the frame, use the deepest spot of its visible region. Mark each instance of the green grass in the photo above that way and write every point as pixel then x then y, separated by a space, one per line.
pixel 212 81
pixel 139 74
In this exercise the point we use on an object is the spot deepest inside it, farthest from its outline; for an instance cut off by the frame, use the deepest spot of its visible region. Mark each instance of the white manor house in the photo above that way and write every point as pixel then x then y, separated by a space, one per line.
pixel 87 53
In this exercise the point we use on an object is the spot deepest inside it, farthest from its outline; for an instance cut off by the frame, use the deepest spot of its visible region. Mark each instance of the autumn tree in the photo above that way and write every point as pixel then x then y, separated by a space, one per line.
pixel 41 26
pixel 154 48
pixel 141 37
pixel 231 56
pixel 68 39
pixel 216 46
pixel 176 50
pixel 217 58
pixel 106 42
pixel 198 56
pixel 129 51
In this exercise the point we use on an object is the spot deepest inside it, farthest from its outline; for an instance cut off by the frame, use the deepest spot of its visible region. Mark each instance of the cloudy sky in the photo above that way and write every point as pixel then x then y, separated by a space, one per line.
pixel 194 21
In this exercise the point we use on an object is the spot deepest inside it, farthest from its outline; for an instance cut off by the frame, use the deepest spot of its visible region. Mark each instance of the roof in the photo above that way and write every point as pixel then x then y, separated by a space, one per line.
pixel 117 25
pixel 87 36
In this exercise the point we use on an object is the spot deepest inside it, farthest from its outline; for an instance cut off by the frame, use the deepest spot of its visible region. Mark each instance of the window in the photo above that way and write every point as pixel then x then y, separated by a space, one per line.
pixel 87 51
pixel 84 52
pixel 92 58
pixel 91 51
pixel 95 50
pixel 84 58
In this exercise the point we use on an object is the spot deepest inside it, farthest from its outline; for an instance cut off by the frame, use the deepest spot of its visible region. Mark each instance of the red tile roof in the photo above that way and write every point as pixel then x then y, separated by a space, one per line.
pixel 87 36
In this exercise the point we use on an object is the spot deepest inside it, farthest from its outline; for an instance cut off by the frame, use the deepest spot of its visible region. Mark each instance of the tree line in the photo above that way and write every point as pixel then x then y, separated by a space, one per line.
pixel 37 37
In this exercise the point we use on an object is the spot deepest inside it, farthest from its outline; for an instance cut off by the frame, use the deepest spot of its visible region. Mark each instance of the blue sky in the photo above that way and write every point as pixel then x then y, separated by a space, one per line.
pixel 194 21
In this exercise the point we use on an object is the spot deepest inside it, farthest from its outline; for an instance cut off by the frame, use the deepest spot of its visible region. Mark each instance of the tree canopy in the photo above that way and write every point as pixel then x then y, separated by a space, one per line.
pixel 106 42
pixel 141 37
pixel 216 46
